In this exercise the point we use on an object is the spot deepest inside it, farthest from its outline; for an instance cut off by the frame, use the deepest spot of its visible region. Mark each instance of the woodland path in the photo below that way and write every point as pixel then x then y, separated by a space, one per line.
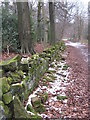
pixel 77 59
pixel 74 86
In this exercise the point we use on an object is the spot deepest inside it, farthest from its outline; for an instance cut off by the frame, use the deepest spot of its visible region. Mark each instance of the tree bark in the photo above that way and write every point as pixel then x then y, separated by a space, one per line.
pixel 24 27
pixel 38 23
pixel 6 6
pixel 52 22
pixel 45 23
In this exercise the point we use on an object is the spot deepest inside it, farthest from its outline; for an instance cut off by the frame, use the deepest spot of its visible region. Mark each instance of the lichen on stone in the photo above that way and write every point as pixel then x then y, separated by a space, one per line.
pixel 7 98
pixel 5 85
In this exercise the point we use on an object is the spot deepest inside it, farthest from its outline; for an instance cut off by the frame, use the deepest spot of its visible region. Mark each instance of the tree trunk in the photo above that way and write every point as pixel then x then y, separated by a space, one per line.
pixel 52 22
pixel 6 6
pixel 89 25
pixel 45 23
pixel 20 24
pixel 24 27
pixel 38 23
pixel 14 7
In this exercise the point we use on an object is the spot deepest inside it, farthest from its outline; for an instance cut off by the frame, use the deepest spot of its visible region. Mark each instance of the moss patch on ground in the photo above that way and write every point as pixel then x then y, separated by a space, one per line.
pixel 62 97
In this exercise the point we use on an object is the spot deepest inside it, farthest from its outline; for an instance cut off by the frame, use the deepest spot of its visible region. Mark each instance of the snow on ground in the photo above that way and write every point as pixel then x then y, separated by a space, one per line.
pixel 82 47
pixel 54 88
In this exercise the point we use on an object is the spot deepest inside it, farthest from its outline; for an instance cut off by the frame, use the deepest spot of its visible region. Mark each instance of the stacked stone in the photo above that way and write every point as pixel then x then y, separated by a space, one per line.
pixel 19 78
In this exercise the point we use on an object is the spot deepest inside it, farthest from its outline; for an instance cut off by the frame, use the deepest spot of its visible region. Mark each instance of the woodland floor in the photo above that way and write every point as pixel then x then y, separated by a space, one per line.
pixel 39 47
pixel 76 105
pixel 78 89
pixel 75 87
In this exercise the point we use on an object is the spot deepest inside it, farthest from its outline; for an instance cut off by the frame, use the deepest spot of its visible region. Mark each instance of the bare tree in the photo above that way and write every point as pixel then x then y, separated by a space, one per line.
pixel 45 23
pixel 64 14
pixel 24 27
pixel 39 22
pixel 52 22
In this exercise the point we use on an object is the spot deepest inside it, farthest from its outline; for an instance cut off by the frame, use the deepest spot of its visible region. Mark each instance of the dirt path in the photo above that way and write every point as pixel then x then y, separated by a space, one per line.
pixel 78 89
pixel 72 83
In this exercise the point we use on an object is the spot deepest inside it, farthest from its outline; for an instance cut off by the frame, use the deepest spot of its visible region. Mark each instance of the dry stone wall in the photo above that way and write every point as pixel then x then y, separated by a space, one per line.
pixel 20 76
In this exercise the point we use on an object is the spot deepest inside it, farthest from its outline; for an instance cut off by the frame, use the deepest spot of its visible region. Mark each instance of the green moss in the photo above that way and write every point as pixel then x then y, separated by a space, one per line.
pixel 10 80
pixel 62 97
pixel 44 80
pixel 24 67
pixel 17 88
pixel 6 109
pixel 4 84
pixel 63 59
pixel 58 58
pixel 48 78
pixel 59 66
pixel 45 84
pixel 16 58
pixel 65 67
pixel 43 54
pixel 1 72
pixel 35 56
pixel 44 97
pixel 15 76
pixel 51 71
pixel 36 117
pixel 52 76
pixel 7 98
pixel 21 73
pixel 31 109
pixel 36 101
pixel 19 110
pixel 26 94
pixel 40 108
pixel 11 64
pixel 52 65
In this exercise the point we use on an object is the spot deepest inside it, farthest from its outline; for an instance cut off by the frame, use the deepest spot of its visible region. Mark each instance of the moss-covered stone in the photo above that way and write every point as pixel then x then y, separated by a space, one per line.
pixel 24 67
pixel 1 73
pixel 11 64
pixel 52 65
pixel 36 117
pixel 44 97
pixel 62 97
pixel 51 71
pixel 65 67
pixel 7 98
pixel 59 66
pixel 1 91
pixel 24 60
pixel 16 88
pixel 15 77
pixel 26 94
pixel 36 101
pixel 5 85
pixel 52 77
pixel 63 59
pixel 47 78
pixel 43 55
pixel 31 109
pixel 21 73
pixel 19 110
pixel 40 109
pixel 35 57
pixel 10 80
pixel 6 109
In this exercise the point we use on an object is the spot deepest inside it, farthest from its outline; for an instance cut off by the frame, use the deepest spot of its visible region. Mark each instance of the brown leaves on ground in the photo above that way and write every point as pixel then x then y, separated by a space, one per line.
pixel 78 89
pixel 39 47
